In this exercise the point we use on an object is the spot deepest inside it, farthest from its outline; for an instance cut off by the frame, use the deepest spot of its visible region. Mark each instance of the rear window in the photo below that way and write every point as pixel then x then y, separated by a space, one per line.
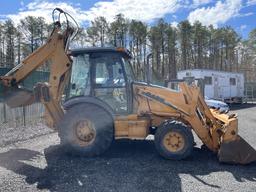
pixel 232 81
pixel 208 80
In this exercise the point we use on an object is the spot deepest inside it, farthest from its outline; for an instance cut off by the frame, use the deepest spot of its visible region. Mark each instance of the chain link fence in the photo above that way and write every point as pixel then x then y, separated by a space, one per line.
pixel 250 92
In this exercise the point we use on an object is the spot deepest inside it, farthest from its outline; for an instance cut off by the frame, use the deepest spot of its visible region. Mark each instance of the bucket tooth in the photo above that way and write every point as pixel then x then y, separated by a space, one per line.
pixel 237 152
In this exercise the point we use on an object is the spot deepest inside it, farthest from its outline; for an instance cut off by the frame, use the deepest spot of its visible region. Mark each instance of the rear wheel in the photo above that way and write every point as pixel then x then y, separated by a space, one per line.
pixel 173 140
pixel 87 130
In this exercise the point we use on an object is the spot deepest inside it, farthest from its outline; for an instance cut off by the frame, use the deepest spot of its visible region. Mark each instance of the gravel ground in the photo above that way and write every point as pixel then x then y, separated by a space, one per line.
pixel 38 164
pixel 11 135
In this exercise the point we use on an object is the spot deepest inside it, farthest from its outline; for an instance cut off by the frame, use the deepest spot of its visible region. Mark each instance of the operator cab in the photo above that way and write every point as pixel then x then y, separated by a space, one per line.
pixel 104 73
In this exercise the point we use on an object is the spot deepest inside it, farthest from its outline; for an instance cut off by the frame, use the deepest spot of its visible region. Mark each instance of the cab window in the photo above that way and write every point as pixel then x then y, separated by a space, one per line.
pixel 80 76
pixel 108 71
pixel 109 80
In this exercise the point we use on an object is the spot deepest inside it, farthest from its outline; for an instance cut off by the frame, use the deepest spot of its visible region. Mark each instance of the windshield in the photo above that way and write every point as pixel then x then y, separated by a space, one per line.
pixel 80 76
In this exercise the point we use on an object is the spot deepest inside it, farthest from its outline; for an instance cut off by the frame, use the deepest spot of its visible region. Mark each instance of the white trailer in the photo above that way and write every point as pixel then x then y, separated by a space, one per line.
pixel 220 85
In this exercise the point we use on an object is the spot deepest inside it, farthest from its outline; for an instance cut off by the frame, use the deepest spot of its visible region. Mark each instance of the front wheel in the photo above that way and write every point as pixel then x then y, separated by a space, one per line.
pixel 174 140
pixel 87 130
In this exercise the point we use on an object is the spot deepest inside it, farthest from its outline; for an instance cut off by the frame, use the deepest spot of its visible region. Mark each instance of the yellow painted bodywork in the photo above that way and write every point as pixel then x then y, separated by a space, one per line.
pixel 158 104
pixel 152 105
pixel 131 126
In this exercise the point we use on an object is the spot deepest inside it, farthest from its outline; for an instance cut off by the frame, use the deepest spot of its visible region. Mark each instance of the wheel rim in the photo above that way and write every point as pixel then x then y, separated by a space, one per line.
pixel 174 141
pixel 85 132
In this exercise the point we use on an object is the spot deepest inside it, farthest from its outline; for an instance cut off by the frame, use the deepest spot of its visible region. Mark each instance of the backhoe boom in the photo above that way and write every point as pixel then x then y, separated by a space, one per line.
pixel 53 51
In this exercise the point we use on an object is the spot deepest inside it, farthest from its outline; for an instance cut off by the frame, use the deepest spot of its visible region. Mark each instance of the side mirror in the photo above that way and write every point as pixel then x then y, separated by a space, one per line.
pixel 73 86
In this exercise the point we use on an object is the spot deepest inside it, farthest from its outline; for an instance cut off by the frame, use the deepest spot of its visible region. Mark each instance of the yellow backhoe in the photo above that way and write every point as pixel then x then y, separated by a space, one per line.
pixel 92 97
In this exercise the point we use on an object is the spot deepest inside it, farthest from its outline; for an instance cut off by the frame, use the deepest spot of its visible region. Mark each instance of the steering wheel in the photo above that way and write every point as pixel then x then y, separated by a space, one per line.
pixel 118 81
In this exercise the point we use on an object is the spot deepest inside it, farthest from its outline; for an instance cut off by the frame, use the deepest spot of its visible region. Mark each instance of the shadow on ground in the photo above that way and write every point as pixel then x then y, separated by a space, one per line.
pixel 241 106
pixel 127 166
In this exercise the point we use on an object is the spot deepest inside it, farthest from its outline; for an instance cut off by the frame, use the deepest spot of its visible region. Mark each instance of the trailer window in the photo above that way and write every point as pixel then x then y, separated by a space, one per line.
pixel 207 80
pixel 232 81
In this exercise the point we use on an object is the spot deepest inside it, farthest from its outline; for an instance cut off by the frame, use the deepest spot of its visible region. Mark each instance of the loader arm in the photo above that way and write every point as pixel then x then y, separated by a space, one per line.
pixel 49 93
pixel 218 131
pixel 187 105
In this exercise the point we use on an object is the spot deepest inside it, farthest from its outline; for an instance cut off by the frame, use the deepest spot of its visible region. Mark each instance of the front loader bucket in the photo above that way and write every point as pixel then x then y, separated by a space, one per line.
pixel 237 152
pixel 17 97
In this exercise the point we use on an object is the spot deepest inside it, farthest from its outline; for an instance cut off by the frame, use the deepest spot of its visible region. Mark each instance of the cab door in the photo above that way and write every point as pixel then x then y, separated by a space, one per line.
pixel 109 81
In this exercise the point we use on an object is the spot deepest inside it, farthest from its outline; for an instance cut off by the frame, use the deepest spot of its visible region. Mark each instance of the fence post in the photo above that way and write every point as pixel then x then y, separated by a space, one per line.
pixel 5 116
pixel 253 96
pixel 24 115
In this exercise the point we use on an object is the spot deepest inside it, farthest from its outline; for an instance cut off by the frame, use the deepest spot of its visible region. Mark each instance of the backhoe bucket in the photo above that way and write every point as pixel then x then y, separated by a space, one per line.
pixel 17 97
pixel 237 152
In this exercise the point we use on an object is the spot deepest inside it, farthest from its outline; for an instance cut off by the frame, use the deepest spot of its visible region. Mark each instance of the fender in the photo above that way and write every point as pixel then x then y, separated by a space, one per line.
pixel 87 99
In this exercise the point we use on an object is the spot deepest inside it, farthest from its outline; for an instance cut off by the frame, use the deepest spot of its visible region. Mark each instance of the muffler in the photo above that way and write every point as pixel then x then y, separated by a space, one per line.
pixel 237 151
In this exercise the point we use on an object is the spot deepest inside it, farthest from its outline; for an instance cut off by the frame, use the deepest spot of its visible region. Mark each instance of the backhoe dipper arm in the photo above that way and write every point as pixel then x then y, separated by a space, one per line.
pixel 49 93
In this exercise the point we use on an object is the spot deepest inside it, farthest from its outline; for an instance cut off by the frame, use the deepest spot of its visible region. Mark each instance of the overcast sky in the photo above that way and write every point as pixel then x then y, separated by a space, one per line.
pixel 240 14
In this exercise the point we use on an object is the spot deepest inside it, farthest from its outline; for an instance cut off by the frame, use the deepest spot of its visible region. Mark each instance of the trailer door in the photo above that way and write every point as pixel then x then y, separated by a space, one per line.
pixel 209 86
pixel 233 86
pixel 222 87
pixel 216 86
pixel 239 87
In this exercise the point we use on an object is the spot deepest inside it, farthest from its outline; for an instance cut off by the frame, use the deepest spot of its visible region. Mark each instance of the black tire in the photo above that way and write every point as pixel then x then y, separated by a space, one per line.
pixel 182 130
pixel 103 128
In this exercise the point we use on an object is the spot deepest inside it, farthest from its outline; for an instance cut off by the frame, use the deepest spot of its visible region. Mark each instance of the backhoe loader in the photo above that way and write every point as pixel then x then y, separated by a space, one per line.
pixel 92 97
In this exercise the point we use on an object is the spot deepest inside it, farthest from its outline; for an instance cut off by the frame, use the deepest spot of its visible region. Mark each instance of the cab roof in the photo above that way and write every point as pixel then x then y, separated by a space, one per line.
pixel 101 50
